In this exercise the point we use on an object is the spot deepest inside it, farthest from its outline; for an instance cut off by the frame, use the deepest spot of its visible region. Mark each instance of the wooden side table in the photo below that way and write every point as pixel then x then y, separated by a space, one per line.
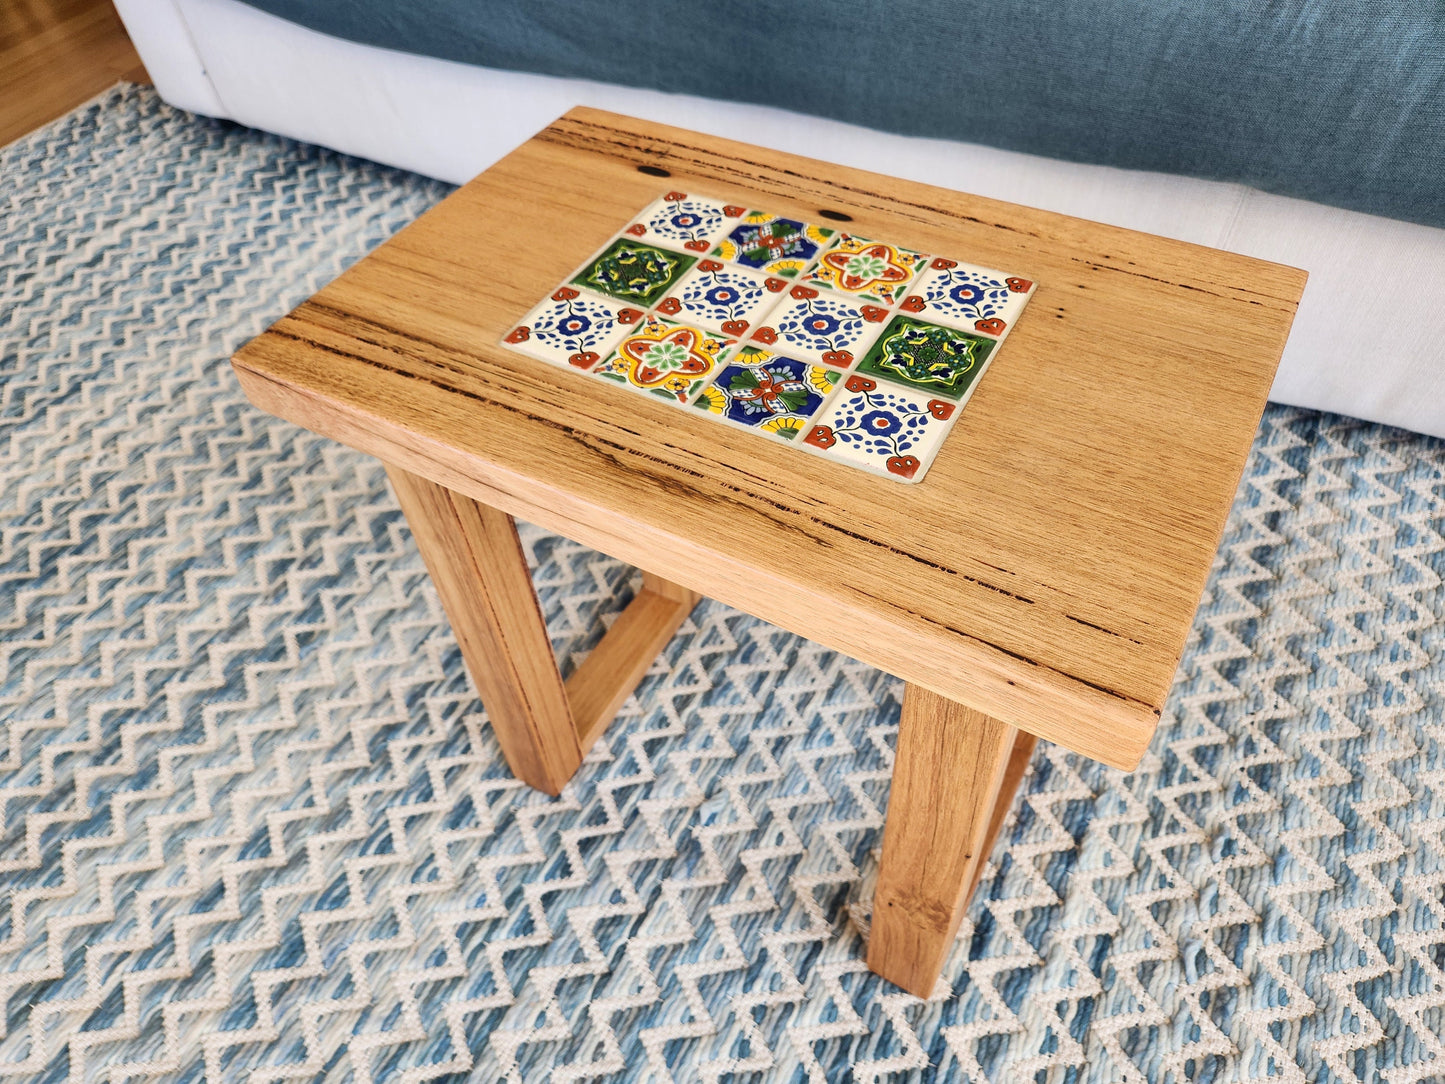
pixel 1040 581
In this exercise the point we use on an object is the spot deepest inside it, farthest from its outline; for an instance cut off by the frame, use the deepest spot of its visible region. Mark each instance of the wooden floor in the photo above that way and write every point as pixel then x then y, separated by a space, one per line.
pixel 54 54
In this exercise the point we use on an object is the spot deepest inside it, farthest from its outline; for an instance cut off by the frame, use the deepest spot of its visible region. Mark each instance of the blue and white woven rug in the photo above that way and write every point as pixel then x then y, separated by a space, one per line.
pixel 255 825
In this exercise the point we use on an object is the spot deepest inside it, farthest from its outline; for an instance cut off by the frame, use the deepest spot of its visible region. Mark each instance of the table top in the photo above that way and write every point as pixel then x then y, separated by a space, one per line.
pixel 1047 569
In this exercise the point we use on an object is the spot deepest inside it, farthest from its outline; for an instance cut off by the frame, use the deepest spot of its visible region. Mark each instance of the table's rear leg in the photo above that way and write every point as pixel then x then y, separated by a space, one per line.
pixel 476 563
pixel 608 675
pixel 949 777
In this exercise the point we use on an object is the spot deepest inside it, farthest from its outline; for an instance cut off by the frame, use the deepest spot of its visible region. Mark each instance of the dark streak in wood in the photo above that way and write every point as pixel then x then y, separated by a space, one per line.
pixel 754 174
pixel 353 319
pixel 1114 693
pixel 704 162
pixel 1101 628
pixel 1182 285
pixel 616 452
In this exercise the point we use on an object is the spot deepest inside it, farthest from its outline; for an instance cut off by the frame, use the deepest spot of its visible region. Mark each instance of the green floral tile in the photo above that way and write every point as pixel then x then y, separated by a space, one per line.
pixel 633 271
pixel 928 357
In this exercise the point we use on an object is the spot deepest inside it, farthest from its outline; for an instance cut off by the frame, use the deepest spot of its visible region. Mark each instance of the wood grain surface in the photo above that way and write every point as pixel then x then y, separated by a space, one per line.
pixel 1044 573
pixel 606 678
pixel 478 568
pixel 1013 774
pixel 54 54
pixel 948 780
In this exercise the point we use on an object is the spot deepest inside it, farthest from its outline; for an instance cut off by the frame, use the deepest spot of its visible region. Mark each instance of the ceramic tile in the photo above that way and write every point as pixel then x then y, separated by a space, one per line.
pixel 972 298
pixel 914 332
pixel 665 358
pixel 634 272
pixel 572 327
pixel 929 357
pixel 868 270
pixel 680 220
pixel 772 244
pixel 882 428
pixel 722 297
pixel 819 326
pixel 764 390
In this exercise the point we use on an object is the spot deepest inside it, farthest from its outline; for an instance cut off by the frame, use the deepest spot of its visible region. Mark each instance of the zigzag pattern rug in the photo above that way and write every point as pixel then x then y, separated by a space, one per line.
pixel 254 825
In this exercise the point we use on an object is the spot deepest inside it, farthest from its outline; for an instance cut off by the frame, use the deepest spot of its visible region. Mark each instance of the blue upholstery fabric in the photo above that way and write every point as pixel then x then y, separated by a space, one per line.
pixel 1338 101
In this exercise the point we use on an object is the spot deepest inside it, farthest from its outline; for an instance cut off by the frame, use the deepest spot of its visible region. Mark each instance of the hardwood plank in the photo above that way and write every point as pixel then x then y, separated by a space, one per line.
pixel 1047 569
pixel 477 565
pixel 600 686
pixel 947 775
pixel 1092 721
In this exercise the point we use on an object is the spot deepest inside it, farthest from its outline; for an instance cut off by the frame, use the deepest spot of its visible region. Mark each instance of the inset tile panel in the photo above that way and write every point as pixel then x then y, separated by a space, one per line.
pixel 664 307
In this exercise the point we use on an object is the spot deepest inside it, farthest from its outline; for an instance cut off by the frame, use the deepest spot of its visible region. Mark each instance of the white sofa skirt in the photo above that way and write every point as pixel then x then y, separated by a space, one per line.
pixel 1369 340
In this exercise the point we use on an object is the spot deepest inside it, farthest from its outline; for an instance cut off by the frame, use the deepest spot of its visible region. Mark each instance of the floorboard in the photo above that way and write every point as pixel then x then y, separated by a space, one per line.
pixel 54 54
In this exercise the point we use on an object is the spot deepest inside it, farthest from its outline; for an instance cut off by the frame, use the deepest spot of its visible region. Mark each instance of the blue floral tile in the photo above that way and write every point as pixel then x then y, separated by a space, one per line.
pixel 722 297
pixel 572 327
pixel 666 359
pixel 681 220
pixel 967 297
pixel 821 327
pixel 883 429
pixel 770 393
pixel 772 244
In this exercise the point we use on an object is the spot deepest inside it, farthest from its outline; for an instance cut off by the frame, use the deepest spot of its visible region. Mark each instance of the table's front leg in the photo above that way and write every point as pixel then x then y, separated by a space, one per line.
pixel 477 565
pixel 478 568
pixel 954 774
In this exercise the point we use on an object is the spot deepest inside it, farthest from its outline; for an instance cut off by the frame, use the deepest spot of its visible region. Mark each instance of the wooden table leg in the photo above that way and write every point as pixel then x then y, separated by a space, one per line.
pixel 476 563
pixel 1013 774
pixel 608 675
pixel 953 778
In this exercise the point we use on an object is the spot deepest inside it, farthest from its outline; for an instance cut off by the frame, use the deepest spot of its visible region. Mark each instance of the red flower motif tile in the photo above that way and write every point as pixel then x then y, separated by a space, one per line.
pixel 685 220
pixel 968 298
pixel 722 297
pixel 882 429
pixel 868 270
pixel 570 325
pixel 667 359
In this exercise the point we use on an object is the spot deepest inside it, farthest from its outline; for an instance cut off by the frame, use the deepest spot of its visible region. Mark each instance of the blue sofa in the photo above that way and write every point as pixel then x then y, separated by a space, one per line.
pixel 1310 132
